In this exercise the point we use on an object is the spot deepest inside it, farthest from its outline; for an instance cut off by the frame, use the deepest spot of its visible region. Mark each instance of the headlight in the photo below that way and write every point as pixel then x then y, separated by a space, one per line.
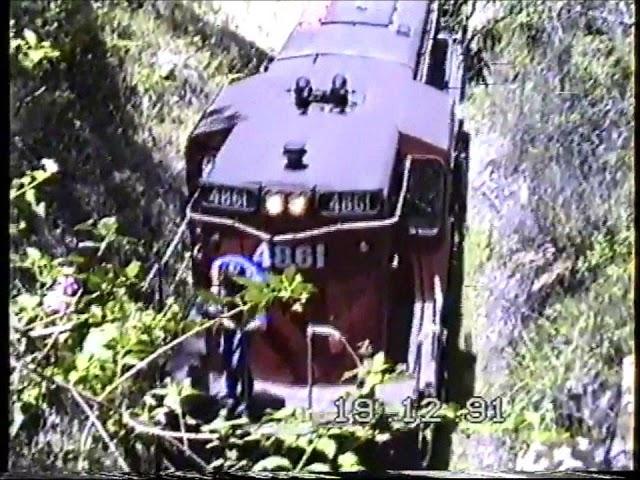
pixel 297 204
pixel 274 203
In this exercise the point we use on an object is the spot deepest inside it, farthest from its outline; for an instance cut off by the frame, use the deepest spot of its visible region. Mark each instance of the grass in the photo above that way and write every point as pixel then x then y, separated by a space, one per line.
pixel 113 117
pixel 174 94
pixel 477 254
pixel 580 335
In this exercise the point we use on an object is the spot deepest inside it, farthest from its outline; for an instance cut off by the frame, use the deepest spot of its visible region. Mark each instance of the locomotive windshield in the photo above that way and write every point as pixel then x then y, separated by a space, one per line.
pixel 424 203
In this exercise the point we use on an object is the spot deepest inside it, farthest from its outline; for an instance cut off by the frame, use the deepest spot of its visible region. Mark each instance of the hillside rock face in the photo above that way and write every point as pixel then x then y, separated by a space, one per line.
pixel 613 453
pixel 533 268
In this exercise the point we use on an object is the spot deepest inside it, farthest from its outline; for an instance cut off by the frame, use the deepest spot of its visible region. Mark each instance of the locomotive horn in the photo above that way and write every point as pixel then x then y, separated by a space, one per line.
pixel 302 92
pixel 339 95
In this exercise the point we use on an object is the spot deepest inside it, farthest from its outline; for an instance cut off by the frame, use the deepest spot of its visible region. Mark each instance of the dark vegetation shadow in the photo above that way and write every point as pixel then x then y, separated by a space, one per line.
pixel 460 362
pixel 85 121
pixel 84 118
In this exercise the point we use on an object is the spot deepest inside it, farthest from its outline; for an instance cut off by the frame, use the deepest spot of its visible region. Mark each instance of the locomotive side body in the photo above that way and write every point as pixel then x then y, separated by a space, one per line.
pixel 372 159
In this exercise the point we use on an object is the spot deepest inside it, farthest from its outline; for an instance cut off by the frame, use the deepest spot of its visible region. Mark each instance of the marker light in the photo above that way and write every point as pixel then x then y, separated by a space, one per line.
pixel 297 204
pixel 274 203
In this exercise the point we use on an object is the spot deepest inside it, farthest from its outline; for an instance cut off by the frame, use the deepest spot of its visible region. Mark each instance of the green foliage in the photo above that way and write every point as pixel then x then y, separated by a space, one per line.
pixel 94 97
pixel 477 254
pixel 286 439
pixel 288 289
pixel 370 373
pixel 562 98
pixel 23 196
pixel 107 335
pixel 32 54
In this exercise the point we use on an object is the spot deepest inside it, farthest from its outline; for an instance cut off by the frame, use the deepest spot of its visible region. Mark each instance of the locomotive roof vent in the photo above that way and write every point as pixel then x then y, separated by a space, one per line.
pixel 294 151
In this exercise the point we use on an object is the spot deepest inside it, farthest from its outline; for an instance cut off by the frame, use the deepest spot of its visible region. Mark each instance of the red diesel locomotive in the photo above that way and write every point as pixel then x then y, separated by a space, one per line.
pixel 340 159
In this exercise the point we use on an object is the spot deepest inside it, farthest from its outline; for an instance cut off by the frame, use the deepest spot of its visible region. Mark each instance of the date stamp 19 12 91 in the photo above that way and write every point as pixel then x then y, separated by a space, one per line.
pixel 430 410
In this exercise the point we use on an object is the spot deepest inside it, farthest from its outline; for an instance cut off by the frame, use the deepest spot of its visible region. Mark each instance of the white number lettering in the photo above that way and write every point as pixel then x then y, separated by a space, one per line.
pixel 360 203
pixel 239 199
pixel 351 202
pixel 225 198
pixel 334 205
pixel 347 203
pixel 320 255
pixel 283 256
pixel 304 256
pixel 215 196
pixel 262 255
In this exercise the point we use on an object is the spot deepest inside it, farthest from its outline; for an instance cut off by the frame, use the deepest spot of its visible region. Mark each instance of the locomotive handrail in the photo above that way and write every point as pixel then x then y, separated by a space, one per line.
pixel 170 249
pixel 429 327
pixel 326 331
pixel 315 231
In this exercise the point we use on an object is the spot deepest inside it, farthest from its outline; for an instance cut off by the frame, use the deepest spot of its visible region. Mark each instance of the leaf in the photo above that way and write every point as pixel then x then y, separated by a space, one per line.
pixel 36 55
pixel 33 253
pixel 533 418
pixel 349 462
pixel 40 209
pixel 172 399
pixel 30 37
pixel 349 374
pixel 85 226
pixel 130 360
pixel 288 439
pixel 82 362
pixel 133 269
pixel 30 197
pixel 378 363
pixel 96 280
pixel 216 463
pixel 317 467
pixel 18 418
pixel 273 463
pixel 289 272
pixel 96 340
pixel 283 413
pixel 27 301
pixel 107 226
pixel 327 446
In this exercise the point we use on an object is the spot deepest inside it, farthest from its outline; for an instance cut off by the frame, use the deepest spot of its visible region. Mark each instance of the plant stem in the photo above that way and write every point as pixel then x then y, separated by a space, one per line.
pixel 307 453
pixel 164 349
pixel 15 195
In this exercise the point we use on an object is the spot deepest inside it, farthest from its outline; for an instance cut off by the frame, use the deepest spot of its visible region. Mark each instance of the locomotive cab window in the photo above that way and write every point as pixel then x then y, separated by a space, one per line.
pixel 424 203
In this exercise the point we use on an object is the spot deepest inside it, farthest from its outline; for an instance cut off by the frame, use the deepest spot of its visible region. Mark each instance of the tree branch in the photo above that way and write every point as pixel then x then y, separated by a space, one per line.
pixel 166 348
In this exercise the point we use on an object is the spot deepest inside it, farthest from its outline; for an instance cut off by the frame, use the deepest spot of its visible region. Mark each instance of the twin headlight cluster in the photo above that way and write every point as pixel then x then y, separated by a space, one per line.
pixel 275 202
pixel 296 204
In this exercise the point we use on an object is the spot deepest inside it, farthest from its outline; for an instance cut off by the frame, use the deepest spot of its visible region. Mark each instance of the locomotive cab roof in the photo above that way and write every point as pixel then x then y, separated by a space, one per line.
pixel 354 148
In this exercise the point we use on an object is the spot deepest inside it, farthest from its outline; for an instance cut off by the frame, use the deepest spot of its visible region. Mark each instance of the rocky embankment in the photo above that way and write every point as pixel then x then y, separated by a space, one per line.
pixel 615 453
pixel 506 297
